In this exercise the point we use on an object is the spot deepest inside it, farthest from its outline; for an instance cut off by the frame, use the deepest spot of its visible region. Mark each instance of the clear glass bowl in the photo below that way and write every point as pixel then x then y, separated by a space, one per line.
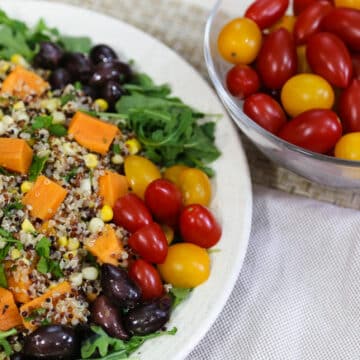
pixel 320 168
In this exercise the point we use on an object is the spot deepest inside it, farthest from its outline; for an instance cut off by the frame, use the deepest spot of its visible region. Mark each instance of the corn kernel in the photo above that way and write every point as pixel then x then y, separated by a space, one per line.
pixel 70 254
pixel 133 146
pixel 17 59
pixel 90 273
pixel 169 233
pixel 26 186
pixel 73 244
pixel 96 225
pixel 27 226
pixel 19 106
pixel 117 159
pixel 58 117
pixel 76 279
pixel 101 104
pixel 91 161
pixel 62 241
pixel 4 67
pixel 106 213
pixel 15 254
pixel 50 104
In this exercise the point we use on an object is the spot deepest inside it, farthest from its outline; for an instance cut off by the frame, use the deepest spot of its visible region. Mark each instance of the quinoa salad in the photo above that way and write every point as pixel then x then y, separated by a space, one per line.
pixel 99 189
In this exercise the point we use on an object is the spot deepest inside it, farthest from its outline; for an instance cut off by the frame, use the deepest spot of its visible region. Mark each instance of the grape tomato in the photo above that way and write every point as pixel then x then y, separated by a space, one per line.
pixel 242 81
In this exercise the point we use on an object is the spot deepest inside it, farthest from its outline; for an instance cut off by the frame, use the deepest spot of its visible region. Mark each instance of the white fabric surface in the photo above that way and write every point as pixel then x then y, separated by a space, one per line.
pixel 298 294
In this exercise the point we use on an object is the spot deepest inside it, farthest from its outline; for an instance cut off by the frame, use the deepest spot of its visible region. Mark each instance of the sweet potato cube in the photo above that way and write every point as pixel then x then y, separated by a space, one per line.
pixel 44 198
pixel 9 312
pixel 21 83
pixel 92 133
pixel 112 186
pixel 107 247
pixel 15 155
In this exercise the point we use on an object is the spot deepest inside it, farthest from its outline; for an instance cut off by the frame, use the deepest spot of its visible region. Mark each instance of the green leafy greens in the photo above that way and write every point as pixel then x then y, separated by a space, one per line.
pixel 17 38
pixel 37 166
pixel 45 122
pixel 179 295
pixel 114 349
pixel 4 343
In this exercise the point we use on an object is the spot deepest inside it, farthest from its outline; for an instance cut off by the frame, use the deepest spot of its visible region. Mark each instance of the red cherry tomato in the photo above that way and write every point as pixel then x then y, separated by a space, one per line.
pixel 300 5
pixel 265 111
pixel 147 278
pixel 131 213
pixel 150 243
pixel 164 200
pixel 277 60
pixel 242 81
pixel 349 107
pixel 266 12
pixel 309 21
pixel 199 226
pixel 356 65
pixel 345 23
pixel 328 57
pixel 316 130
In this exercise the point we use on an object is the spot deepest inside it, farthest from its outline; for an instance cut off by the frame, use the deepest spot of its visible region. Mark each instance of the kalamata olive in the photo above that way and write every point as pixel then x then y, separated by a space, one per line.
pixel 90 91
pixel 106 314
pixel 102 53
pixel 118 287
pixel 52 342
pixel 19 356
pixel 149 317
pixel 49 55
pixel 59 78
pixel 114 70
pixel 111 92
pixel 78 65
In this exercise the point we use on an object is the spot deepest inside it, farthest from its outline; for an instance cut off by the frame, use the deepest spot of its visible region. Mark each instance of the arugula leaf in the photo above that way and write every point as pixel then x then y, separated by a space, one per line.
pixel 7 237
pixel 114 349
pixel 16 205
pixel 3 280
pixel 66 98
pixel 76 44
pixel 45 264
pixel 13 43
pixel 179 295
pixel 42 122
pixel 4 343
pixel 57 130
pixel 37 166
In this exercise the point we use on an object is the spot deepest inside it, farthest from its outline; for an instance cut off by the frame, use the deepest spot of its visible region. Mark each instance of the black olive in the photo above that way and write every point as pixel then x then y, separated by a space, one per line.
pixel 19 356
pixel 118 287
pixel 49 55
pixel 148 318
pixel 106 314
pixel 114 70
pixel 52 342
pixel 78 65
pixel 90 91
pixel 102 53
pixel 59 78
pixel 112 92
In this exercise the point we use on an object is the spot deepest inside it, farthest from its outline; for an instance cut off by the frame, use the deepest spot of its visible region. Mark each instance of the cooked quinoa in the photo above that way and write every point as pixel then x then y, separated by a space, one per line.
pixel 68 230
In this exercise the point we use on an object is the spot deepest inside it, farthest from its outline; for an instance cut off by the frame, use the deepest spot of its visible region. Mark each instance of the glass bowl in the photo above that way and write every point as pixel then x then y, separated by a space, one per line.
pixel 323 169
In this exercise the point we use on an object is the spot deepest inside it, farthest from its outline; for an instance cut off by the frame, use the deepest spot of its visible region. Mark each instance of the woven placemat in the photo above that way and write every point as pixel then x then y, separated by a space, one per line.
pixel 181 25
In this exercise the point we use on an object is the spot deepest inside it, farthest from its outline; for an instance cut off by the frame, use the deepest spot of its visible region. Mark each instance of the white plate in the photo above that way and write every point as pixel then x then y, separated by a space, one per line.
pixel 233 197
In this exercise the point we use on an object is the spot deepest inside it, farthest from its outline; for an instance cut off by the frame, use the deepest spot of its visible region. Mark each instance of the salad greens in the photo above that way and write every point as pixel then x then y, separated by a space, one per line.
pixel 17 38
pixel 114 349
pixel 37 166
pixel 46 264
pixel 4 343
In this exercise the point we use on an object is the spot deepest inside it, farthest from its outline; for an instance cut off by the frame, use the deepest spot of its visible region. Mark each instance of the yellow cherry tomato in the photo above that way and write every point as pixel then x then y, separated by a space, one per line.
pixel 305 92
pixel 140 172
pixel 354 4
pixel 348 147
pixel 195 187
pixel 186 266
pixel 287 22
pixel 169 233
pixel 172 173
pixel 303 65
pixel 239 41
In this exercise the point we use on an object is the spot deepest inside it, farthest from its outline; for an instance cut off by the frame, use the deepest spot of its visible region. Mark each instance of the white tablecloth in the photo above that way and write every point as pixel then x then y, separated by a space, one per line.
pixel 298 294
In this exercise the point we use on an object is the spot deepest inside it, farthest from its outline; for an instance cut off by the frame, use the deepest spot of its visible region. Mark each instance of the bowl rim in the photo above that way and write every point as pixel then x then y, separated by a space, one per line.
pixel 233 107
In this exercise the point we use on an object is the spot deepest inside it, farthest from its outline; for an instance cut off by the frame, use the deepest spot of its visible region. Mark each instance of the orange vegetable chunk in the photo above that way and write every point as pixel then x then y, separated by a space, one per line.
pixel 21 83
pixel 112 186
pixel 9 312
pixel 18 280
pixel 107 247
pixel 54 294
pixel 92 133
pixel 15 155
pixel 45 197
